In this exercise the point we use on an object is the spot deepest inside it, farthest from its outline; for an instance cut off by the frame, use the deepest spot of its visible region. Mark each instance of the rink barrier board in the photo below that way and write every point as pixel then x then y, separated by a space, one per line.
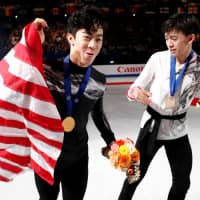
pixel 125 74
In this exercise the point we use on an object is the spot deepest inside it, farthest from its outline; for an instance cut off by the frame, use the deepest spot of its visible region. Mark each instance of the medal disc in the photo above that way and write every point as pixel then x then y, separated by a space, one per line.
pixel 170 102
pixel 68 123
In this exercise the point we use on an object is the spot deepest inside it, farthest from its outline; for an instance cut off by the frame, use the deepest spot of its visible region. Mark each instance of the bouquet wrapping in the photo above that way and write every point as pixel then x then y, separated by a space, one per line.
pixel 124 156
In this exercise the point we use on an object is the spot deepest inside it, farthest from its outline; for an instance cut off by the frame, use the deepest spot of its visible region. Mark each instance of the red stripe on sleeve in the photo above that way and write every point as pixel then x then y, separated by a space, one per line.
pixel 42 172
pixel 21 160
pixel 15 83
pixel 4 179
pixel 22 141
pixel 46 140
pixel 10 167
pixel 51 162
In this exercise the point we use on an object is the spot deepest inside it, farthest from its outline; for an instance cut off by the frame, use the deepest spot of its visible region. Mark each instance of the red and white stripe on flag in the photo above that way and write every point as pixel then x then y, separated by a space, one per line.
pixel 31 134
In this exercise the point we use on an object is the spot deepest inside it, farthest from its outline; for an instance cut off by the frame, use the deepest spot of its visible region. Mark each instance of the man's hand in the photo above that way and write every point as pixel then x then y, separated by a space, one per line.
pixel 40 25
pixel 105 152
pixel 140 95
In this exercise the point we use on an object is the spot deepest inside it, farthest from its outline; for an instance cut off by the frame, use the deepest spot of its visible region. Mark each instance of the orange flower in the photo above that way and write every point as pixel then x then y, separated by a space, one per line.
pixel 136 155
pixel 125 161
pixel 130 171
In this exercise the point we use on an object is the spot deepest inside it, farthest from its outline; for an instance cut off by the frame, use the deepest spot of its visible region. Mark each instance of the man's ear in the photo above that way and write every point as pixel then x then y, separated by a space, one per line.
pixel 192 38
pixel 70 38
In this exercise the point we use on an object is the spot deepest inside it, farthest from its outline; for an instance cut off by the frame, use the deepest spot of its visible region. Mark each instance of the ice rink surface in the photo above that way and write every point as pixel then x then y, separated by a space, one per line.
pixel 104 181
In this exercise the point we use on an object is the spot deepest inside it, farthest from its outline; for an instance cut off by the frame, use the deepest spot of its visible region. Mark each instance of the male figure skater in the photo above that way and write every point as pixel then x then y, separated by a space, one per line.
pixel 172 78
pixel 77 91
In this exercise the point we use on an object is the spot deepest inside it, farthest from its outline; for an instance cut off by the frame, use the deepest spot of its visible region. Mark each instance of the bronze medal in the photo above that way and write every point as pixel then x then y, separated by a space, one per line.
pixel 68 123
pixel 170 102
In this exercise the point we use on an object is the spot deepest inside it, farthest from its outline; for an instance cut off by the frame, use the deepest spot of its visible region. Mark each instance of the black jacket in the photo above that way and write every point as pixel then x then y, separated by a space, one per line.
pixel 90 102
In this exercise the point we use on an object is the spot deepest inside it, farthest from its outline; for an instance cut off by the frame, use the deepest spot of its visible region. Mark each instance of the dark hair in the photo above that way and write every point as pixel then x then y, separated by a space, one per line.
pixel 186 23
pixel 88 18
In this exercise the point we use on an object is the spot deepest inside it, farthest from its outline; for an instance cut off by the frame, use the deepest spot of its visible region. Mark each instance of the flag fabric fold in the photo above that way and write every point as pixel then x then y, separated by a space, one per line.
pixel 31 132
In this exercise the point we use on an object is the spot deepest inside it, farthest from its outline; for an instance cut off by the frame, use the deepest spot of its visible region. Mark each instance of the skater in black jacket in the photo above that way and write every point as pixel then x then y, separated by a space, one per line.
pixel 78 90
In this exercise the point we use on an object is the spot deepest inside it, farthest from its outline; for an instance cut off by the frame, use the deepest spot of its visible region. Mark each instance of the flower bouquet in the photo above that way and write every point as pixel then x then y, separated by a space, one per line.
pixel 126 157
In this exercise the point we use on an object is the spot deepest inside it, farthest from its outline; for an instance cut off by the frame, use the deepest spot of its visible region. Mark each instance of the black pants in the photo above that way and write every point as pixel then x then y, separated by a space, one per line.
pixel 179 155
pixel 72 172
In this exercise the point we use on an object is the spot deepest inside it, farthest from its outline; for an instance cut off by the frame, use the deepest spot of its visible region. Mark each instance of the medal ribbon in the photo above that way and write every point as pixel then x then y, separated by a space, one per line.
pixel 175 83
pixel 71 102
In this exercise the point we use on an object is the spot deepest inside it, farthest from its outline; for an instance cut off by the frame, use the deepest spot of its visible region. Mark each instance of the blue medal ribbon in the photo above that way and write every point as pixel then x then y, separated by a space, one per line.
pixel 71 102
pixel 176 83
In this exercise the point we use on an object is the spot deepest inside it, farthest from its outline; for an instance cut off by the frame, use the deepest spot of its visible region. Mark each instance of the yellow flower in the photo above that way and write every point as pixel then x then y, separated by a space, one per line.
pixel 124 150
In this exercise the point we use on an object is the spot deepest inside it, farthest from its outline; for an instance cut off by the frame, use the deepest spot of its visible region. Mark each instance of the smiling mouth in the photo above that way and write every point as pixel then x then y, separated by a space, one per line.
pixel 90 54
pixel 172 50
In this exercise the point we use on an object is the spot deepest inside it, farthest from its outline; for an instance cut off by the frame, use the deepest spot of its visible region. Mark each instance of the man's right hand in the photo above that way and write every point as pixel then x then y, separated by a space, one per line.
pixel 40 25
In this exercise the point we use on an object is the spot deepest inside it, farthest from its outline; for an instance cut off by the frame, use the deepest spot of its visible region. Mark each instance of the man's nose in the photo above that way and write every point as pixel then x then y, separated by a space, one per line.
pixel 92 44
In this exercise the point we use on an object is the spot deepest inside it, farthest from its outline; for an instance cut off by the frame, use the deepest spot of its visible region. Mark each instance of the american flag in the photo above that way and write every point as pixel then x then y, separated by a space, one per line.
pixel 31 133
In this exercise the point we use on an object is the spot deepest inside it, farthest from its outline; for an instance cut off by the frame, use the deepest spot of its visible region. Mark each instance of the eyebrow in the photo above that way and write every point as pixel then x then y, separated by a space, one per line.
pixel 98 35
pixel 173 34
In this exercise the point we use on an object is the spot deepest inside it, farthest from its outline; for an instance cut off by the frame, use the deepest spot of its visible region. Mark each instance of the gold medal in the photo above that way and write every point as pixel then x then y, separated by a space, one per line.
pixel 170 102
pixel 68 123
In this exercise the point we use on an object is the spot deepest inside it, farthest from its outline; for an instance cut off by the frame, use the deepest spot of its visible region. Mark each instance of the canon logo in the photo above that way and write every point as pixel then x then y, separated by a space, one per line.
pixel 125 69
